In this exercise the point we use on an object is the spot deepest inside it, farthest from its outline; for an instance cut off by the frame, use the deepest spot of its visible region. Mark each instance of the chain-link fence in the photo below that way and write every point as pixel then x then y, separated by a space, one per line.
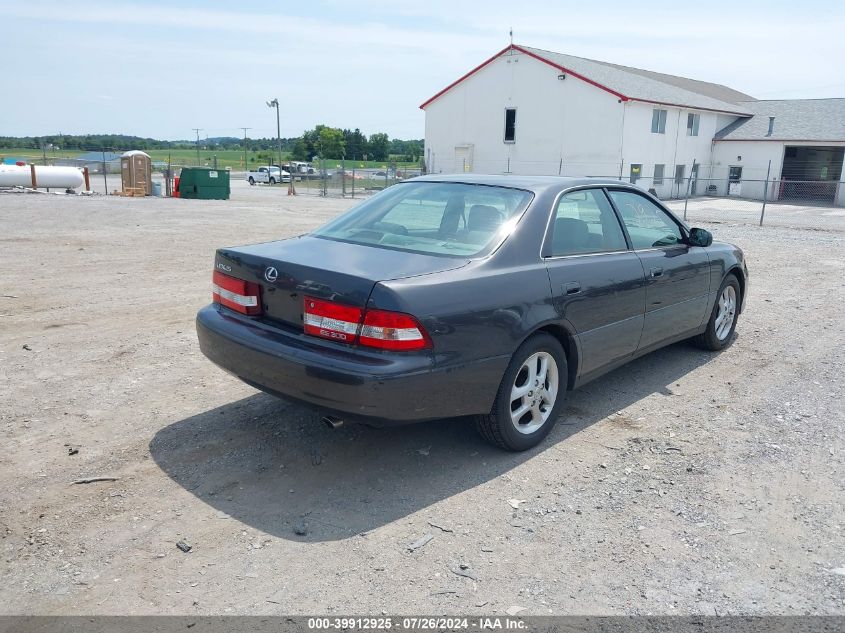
pixel 795 182
pixel 321 177
pixel 348 178
pixel 696 191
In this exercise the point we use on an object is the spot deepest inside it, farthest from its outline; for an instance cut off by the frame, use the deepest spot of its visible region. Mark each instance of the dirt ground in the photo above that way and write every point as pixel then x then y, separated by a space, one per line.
pixel 685 482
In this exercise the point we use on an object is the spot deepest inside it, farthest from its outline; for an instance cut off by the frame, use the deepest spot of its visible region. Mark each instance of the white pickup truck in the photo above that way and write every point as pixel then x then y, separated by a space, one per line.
pixel 269 174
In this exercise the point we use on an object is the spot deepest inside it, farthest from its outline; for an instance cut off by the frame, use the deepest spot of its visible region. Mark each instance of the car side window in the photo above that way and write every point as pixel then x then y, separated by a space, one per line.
pixel 648 225
pixel 584 222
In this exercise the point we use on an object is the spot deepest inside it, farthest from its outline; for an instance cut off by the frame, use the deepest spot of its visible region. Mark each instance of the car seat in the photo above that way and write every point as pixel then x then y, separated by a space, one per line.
pixel 570 236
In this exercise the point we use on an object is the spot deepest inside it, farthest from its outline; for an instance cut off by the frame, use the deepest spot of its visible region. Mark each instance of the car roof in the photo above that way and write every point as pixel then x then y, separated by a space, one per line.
pixel 536 184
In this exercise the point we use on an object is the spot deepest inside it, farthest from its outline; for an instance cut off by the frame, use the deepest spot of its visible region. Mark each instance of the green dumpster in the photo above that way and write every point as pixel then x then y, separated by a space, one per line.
pixel 204 183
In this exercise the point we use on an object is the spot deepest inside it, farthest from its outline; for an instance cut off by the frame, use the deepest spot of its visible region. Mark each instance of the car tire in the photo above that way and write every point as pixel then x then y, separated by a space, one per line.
pixel 504 426
pixel 251 180
pixel 272 181
pixel 719 333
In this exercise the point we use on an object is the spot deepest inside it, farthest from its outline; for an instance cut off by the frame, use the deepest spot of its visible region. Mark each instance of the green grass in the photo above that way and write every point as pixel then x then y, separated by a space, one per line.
pixel 188 157
pixel 179 157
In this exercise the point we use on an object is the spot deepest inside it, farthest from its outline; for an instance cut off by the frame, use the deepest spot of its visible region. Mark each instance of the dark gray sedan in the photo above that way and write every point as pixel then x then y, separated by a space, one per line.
pixel 483 296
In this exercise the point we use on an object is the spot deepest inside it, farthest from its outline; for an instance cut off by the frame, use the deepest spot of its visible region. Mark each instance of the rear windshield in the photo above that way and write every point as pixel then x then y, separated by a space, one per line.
pixel 437 218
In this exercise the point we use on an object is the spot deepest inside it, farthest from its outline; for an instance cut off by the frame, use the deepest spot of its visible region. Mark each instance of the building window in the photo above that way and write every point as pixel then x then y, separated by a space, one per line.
pixel 680 171
pixel 510 125
pixel 636 172
pixel 692 124
pixel 658 121
pixel 658 174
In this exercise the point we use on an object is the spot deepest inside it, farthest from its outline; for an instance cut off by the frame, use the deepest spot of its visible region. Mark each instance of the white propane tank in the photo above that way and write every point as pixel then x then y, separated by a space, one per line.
pixel 45 177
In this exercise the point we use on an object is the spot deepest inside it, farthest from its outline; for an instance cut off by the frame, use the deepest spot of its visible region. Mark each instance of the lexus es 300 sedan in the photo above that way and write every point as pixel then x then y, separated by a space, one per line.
pixel 482 296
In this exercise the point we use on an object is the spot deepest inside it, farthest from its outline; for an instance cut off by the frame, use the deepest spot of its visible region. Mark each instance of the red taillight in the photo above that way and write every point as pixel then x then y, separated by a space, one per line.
pixel 236 294
pixel 373 328
pixel 331 320
pixel 392 330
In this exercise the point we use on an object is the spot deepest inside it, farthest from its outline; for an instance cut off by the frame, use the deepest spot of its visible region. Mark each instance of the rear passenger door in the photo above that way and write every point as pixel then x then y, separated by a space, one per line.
pixel 677 275
pixel 598 284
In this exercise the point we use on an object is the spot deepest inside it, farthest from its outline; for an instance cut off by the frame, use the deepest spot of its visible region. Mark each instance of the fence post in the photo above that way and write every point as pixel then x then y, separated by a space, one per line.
pixel 765 193
pixel 105 178
pixel 689 184
pixel 343 176
pixel 353 176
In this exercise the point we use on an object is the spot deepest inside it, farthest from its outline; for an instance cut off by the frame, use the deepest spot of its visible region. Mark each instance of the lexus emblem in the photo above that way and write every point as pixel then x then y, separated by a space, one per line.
pixel 271 274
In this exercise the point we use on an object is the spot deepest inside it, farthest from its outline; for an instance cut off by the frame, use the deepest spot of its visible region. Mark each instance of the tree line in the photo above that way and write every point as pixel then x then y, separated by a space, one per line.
pixel 322 141
pixel 336 143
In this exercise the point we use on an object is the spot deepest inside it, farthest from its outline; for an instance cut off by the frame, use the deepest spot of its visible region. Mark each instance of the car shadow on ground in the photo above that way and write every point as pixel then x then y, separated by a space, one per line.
pixel 274 466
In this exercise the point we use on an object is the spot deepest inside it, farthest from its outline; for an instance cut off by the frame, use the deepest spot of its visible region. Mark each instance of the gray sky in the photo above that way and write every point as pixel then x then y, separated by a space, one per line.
pixel 159 69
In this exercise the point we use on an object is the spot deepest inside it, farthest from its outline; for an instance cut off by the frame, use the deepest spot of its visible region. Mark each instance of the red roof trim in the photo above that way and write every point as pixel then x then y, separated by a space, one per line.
pixel 571 72
pixel 472 72
pixel 516 47
pixel 530 54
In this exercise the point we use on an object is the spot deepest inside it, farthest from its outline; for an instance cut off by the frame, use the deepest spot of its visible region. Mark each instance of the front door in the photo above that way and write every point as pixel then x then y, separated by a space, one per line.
pixel 463 159
pixel 677 275
pixel 680 171
pixel 735 181
pixel 597 282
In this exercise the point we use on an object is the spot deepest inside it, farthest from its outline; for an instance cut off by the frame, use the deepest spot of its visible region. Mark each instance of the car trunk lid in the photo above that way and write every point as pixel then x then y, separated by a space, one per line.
pixel 288 270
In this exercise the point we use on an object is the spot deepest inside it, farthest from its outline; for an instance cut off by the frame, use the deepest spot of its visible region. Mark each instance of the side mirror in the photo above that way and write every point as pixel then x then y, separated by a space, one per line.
pixel 700 237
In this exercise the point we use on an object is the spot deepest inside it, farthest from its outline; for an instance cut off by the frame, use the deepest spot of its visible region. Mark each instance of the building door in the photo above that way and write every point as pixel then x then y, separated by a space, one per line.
pixel 680 172
pixel 811 174
pixel 735 181
pixel 463 159
pixel 693 179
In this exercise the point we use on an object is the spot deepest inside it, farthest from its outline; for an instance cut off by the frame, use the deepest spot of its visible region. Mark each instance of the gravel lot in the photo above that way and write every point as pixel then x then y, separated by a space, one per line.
pixel 686 482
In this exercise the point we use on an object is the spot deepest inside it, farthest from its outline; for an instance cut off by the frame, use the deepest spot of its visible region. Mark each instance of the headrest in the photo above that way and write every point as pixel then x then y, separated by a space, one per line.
pixel 452 216
pixel 570 235
pixel 483 217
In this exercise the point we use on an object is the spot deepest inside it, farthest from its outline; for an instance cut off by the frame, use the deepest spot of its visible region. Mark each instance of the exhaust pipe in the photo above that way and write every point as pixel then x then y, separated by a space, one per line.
pixel 332 422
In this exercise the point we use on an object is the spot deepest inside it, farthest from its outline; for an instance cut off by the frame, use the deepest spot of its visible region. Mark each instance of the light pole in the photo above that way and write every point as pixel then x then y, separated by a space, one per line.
pixel 275 104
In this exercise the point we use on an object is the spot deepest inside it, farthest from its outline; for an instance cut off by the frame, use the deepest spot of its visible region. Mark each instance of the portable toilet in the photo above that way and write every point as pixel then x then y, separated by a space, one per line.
pixel 136 173
pixel 203 183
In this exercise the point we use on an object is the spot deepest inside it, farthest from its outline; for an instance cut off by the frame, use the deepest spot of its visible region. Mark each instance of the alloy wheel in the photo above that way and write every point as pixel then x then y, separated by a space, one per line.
pixel 534 392
pixel 727 313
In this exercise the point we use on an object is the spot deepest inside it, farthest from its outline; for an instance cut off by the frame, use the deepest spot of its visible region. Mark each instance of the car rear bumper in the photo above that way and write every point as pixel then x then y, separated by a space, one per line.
pixel 386 388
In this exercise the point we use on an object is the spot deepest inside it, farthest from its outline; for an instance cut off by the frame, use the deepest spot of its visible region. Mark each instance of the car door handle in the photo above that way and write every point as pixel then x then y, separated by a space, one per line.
pixel 656 272
pixel 572 288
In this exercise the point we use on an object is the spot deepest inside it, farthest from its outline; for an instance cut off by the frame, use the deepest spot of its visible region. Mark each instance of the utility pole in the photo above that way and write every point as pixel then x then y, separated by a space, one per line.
pixel 198 130
pixel 246 166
